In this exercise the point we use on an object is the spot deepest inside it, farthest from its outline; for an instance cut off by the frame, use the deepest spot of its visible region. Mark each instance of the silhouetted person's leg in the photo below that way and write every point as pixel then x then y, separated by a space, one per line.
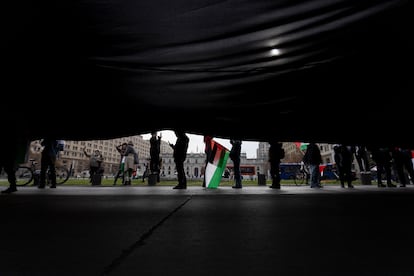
pixel 274 172
pixel 182 181
pixel 380 169
pixel 388 175
pixel 11 178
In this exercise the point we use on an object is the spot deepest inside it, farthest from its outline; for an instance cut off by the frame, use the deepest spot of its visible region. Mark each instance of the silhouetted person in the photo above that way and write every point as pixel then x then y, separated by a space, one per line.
pixel 7 163
pixel 361 156
pixel 343 156
pixel 180 154
pixel 402 164
pixel 155 148
pixel 13 145
pixel 408 163
pixel 235 153
pixel 313 159
pixel 276 153
pixel 382 158
pixel 48 161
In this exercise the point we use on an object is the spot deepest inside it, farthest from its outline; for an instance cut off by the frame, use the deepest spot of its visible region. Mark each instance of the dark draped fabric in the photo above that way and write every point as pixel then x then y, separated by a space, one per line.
pixel 207 66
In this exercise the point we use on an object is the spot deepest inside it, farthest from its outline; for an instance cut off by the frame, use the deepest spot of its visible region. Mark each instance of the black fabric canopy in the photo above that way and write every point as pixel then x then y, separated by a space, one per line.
pixel 88 69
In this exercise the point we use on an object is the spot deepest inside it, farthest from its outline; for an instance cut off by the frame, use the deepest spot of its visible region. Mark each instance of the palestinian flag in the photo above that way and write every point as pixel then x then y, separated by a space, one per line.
pixel 301 146
pixel 217 161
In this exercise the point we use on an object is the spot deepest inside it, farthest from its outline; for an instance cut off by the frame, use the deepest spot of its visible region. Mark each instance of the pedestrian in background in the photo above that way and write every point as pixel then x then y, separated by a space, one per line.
pixel 131 162
pixel 48 162
pixel 383 158
pixel 235 153
pixel 120 173
pixel 155 149
pixel 403 165
pixel 95 165
pixel 313 159
pixel 276 153
pixel 343 156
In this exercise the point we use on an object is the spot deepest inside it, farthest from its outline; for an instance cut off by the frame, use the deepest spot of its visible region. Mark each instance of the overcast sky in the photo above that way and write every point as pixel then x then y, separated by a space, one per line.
pixel 196 143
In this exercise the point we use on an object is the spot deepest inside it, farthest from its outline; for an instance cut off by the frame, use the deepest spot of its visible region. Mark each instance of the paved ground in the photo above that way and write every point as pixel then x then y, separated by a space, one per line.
pixel 253 231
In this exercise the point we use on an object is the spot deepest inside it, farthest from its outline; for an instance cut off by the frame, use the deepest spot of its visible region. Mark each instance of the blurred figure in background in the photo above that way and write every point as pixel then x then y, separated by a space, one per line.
pixel 313 159
pixel 276 153
pixel 131 162
pixel 235 153
pixel 382 158
pixel 155 149
pixel 48 161
pixel 95 165
pixel 343 156
pixel 120 173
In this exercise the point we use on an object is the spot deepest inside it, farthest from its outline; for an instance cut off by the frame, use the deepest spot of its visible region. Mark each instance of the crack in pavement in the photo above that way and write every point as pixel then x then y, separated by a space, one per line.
pixel 126 252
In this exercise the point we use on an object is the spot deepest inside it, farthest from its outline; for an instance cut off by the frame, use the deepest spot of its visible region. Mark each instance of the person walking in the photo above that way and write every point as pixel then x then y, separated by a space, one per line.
pixel 235 153
pixel 276 153
pixel 313 159
pixel 179 155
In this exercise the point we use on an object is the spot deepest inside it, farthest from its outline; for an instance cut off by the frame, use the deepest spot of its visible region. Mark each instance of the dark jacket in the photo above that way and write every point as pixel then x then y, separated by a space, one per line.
pixel 180 148
pixel 312 155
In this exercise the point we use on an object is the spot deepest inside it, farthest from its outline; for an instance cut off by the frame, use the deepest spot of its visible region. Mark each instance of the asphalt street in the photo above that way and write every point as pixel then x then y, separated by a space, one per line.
pixel 251 231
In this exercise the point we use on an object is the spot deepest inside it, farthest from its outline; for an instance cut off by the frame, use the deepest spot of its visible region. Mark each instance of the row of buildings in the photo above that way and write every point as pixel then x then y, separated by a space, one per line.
pixel 73 157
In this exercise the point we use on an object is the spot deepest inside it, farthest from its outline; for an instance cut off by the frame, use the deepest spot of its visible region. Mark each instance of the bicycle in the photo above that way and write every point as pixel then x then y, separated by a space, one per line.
pixel 26 174
pixel 301 176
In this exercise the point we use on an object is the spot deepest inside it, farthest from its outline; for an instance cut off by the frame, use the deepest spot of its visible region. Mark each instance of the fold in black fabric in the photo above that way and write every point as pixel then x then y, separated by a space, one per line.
pixel 291 70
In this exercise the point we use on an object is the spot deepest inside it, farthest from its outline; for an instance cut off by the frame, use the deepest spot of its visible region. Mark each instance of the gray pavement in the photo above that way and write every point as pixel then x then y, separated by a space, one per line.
pixel 150 230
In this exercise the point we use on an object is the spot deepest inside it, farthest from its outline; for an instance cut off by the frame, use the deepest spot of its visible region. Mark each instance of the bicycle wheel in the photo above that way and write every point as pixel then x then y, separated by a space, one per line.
pixel 62 175
pixel 300 178
pixel 24 175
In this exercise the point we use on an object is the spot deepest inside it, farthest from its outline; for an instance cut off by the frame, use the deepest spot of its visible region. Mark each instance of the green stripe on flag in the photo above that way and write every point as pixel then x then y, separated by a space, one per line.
pixel 218 173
